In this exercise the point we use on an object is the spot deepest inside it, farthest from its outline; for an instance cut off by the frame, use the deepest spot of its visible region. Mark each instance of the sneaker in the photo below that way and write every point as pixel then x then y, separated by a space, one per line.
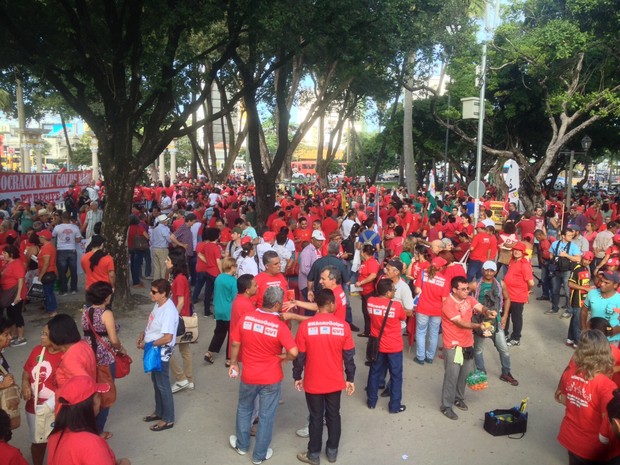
pixel 303 457
pixel 569 342
pixel 418 361
pixel 180 385
pixel 513 342
pixel 566 315
pixel 507 377
pixel 268 455
pixel 428 360
pixel 73 292
pixel 20 341
pixel 542 297
pixel 461 405
pixel 62 294
pixel 232 440
pixel 551 312
pixel 386 393
pixel 332 455
pixel 449 413
pixel 402 408
pixel 303 432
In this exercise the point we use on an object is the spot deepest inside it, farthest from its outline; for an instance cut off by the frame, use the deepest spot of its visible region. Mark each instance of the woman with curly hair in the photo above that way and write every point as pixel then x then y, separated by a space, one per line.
pixel 585 389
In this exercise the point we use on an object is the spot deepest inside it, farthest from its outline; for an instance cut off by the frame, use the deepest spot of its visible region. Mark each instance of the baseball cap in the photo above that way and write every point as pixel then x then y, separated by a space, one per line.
pixel 489 265
pixel 318 235
pixel 438 262
pixel 519 246
pixel 588 255
pixel 43 211
pixel 269 236
pixel 79 388
pixel 574 227
pixel 613 261
pixel 46 234
pixel 612 276
pixel 616 238
pixel 480 224
pixel 396 264
pixel 246 240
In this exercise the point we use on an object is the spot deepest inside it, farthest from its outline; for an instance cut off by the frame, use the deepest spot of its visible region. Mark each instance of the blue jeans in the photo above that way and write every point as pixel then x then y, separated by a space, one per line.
pixel 393 363
pixel 560 280
pixel 269 395
pixel 545 281
pixel 49 299
pixel 426 323
pixel 574 328
pixel 66 260
pixel 499 340
pixel 136 257
pixel 102 416
pixel 164 404
pixel 474 270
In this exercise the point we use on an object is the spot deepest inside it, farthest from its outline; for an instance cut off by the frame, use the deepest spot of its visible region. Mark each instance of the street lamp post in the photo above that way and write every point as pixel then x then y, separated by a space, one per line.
pixel 94 153
pixel 172 149
pixel 586 143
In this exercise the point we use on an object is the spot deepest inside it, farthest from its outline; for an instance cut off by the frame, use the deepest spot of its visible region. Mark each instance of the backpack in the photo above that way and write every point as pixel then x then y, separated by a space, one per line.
pixel 369 240
pixel 69 203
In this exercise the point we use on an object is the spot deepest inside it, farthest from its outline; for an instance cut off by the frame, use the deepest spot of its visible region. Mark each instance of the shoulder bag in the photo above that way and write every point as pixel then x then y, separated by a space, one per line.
pixel 9 401
pixel 44 415
pixel 122 361
pixel 372 347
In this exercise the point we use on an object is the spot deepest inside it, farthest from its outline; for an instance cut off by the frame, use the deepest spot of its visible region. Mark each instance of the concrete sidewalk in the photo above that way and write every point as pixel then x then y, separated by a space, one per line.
pixel 205 417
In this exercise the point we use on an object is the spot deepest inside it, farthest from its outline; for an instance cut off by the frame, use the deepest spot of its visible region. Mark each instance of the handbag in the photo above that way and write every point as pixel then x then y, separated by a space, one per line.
pixel 104 375
pixel 191 329
pixel 502 422
pixel 44 415
pixel 122 362
pixel 48 278
pixel 372 347
pixel 9 401
pixel 181 327
pixel 36 291
pixel 152 358
pixel 140 243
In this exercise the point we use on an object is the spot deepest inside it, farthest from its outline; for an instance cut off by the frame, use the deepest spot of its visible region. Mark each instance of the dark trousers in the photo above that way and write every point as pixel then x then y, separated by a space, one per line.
pixel 136 257
pixel 66 260
pixel 14 312
pixel 191 263
pixel 516 315
pixel 317 405
pixel 219 335
pixel 203 278
pixel 392 362
pixel 365 313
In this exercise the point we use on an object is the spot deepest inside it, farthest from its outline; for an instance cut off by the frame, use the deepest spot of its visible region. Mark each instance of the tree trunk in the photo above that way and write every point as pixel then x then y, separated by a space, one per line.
pixel 408 155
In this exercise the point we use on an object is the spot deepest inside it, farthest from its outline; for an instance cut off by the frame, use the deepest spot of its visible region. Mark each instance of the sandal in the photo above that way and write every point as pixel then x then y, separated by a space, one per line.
pixel 209 358
pixel 151 417
pixel 158 427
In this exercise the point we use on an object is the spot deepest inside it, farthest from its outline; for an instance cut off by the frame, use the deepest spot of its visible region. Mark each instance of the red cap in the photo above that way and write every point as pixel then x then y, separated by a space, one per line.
pixel 438 262
pixel 269 236
pixel 481 225
pixel 616 238
pixel 519 246
pixel 613 261
pixel 246 240
pixel 46 234
pixel 588 255
pixel 79 388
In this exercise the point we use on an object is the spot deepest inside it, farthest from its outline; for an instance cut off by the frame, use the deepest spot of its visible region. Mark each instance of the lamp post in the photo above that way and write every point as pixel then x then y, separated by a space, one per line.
pixel 586 143
pixel 94 153
pixel 172 149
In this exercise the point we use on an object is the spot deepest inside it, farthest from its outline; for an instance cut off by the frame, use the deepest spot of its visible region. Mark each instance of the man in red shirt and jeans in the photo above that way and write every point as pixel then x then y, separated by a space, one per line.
pixel 458 344
pixel 262 335
pixel 325 346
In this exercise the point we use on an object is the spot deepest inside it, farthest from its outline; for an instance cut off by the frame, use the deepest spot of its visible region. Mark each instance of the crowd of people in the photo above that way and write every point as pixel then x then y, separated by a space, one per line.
pixel 421 267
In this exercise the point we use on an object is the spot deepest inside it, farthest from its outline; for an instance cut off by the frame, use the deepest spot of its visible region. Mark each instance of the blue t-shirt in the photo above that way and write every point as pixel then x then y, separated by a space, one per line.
pixel 604 308
pixel 560 246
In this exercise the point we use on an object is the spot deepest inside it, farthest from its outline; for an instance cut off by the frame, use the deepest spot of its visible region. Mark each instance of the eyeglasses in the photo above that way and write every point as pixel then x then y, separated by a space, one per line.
pixel 155 292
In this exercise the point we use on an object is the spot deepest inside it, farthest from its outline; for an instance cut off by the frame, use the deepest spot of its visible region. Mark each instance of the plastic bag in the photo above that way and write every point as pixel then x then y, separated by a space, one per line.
pixel 152 358
pixel 477 381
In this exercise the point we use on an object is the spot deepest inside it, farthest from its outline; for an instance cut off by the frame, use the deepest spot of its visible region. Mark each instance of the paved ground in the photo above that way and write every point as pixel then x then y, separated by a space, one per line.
pixel 421 435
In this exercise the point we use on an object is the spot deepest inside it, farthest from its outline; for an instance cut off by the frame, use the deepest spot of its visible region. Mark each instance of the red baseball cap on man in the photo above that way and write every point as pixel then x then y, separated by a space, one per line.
pixel 46 234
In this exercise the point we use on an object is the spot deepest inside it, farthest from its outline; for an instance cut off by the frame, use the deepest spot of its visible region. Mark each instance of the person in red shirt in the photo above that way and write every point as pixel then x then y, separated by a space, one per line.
pixel 366 280
pixel 303 234
pixel 519 280
pixel 97 264
pixel 262 336
pixel 482 249
pixel 270 277
pixel 242 305
pixel 390 357
pixel 48 271
pixel 10 455
pixel 329 224
pixel 325 345
pixel 527 225
pixel 208 266
pixel 458 343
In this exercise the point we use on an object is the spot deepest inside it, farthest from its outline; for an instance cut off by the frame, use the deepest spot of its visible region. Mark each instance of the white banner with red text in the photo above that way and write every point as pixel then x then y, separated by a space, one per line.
pixel 47 187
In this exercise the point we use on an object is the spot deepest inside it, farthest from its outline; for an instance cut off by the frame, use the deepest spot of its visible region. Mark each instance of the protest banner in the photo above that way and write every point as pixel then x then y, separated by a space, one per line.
pixel 47 187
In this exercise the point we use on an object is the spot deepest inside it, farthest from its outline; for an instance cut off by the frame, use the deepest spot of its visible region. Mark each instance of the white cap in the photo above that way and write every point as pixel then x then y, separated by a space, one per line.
pixel 489 265
pixel 318 235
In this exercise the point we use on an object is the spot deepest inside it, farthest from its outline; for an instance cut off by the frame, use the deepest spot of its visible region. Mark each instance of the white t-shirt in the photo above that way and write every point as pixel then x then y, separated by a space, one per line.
pixel 246 265
pixel 66 235
pixel 285 251
pixel 260 251
pixel 194 229
pixel 163 320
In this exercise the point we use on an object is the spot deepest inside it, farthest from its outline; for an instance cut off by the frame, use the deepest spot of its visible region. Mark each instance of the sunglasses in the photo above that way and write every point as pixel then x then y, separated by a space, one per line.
pixel 155 292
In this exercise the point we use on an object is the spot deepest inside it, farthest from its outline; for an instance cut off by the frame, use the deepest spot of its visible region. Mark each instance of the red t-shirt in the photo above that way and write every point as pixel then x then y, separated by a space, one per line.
pixel 100 272
pixel 241 306
pixel 392 338
pixel 527 226
pixel 481 244
pixel 79 360
pixel 433 292
pixel 48 249
pixel 46 375
pixel 323 338
pixel 368 267
pixel 301 236
pixel 11 455
pixel 451 272
pixel 586 405
pixel 329 225
pixel 453 335
pixel 341 303
pixel 265 280
pixel 180 288
pixel 13 272
pixel 75 448
pixel 212 253
pixel 518 274
pixel 262 336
